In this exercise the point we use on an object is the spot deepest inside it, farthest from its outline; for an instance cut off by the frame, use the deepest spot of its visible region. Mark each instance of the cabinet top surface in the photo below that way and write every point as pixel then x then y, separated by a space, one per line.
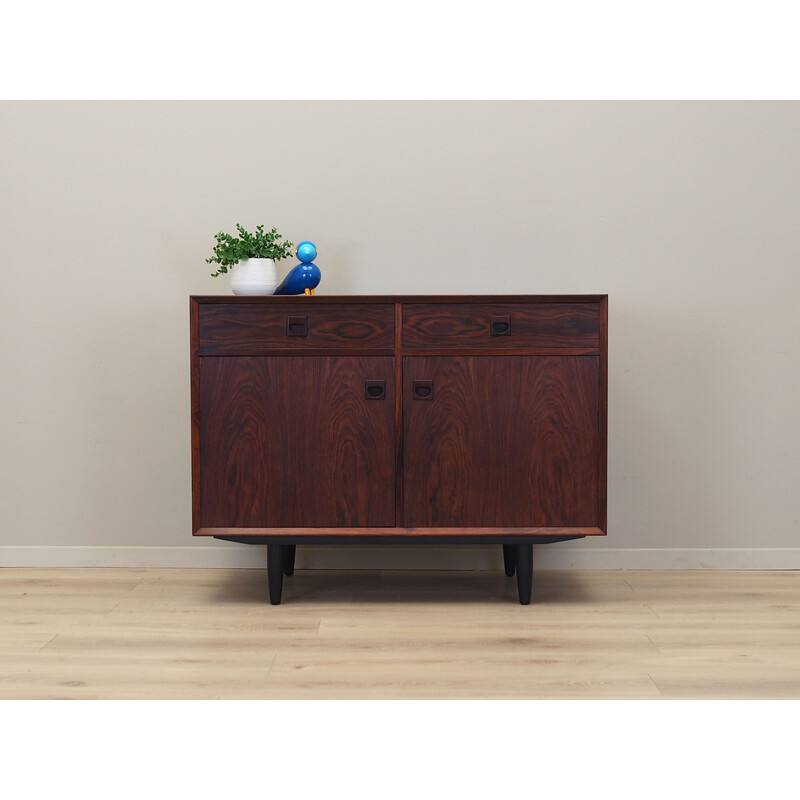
pixel 404 298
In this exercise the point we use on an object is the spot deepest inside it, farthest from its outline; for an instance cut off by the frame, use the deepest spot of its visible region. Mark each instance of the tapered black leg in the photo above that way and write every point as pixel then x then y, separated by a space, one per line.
pixel 524 565
pixel 288 559
pixel 275 572
pixel 508 559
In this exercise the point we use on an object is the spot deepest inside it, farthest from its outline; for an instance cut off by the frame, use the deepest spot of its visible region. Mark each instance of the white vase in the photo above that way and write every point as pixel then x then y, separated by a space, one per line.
pixel 254 276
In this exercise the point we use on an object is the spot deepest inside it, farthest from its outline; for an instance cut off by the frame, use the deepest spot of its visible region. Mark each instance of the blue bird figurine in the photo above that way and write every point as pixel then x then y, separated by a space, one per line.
pixel 305 277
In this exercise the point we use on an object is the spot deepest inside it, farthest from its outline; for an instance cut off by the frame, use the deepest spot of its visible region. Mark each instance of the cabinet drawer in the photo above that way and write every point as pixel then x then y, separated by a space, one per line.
pixel 501 326
pixel 228 329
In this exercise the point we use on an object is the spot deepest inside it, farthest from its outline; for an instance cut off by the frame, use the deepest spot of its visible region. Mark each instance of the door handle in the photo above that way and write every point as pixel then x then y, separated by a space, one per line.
pixel 375 389
pixel 501 325
pixel 297 326
pixel 423 390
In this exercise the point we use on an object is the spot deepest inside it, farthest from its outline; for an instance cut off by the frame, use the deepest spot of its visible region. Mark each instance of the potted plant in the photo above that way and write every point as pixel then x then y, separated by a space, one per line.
pixel 251 258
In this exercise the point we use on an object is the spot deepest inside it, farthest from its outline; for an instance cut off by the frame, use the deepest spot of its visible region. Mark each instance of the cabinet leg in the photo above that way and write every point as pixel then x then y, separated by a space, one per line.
pixel 288 559
pixel 508 559
pixel 524 566
pixel 275 572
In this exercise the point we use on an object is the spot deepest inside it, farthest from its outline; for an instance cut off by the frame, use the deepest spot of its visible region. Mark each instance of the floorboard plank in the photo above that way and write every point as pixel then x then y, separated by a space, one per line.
pixel 105 633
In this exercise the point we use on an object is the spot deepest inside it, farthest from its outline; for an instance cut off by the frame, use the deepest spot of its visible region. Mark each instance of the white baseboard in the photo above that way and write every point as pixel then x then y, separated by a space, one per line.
pixel 552 556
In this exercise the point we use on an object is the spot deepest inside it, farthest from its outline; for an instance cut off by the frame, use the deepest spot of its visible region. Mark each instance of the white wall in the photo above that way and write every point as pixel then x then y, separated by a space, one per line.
pixel 686 214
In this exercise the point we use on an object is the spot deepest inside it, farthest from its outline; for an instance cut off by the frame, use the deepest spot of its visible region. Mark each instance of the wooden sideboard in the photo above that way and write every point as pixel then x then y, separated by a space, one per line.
pixel 399 419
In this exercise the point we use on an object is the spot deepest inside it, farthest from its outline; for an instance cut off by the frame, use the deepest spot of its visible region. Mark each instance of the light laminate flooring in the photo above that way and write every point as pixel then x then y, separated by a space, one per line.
pixel 211 633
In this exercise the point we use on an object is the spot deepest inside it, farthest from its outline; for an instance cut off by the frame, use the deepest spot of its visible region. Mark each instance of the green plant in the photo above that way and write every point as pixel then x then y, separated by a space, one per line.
pixel 230 250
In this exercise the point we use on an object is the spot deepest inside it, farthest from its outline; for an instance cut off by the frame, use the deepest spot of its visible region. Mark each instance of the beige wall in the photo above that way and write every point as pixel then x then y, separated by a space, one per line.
pixel 686 214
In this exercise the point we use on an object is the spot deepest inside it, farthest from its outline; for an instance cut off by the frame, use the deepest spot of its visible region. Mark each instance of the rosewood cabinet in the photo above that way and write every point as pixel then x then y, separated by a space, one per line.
pixel 399 420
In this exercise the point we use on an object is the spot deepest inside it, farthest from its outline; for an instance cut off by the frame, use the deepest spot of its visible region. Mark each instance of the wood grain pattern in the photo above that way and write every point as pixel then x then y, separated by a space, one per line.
pixel 543 325
pixel 371 299
pixel 508 441
pixel 566 412
pixel 195 411
pixel 504 351
pixel 408 533
pixel 398 411
pixel 289 442
pixel 103 633
pixel 233 328
pixel 602 417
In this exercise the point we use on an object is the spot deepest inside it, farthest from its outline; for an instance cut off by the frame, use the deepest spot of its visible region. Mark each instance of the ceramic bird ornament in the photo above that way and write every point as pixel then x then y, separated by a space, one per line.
pixel 305 277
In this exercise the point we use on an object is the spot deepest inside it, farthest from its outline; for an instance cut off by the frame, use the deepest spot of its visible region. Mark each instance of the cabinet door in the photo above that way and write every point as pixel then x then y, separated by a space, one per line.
pixel 296 441
pixel 500 441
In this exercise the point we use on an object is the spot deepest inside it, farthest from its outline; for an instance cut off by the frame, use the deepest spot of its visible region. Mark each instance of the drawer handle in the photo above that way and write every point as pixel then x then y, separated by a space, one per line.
pixel 375 390
pixel 297 326
pixel 501 326
pixel 423 390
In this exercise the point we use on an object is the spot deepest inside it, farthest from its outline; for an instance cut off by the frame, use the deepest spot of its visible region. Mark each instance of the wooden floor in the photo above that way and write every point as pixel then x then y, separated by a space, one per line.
pixel 210 633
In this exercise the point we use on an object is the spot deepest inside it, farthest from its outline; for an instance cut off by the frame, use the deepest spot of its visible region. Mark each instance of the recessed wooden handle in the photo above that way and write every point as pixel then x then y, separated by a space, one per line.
pixel 375 389
pixel 501 326
pixel 423 390
pixel 297 326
